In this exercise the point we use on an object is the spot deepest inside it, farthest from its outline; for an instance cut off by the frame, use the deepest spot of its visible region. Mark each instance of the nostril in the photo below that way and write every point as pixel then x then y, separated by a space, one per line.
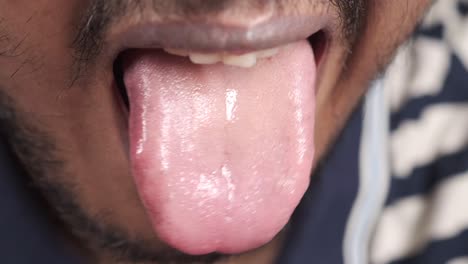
pixel 119 80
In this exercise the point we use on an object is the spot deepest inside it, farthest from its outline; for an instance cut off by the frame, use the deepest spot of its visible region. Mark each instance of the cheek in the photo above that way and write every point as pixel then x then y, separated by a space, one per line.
pixel 387 25
pixel 390 22
pixel 35 53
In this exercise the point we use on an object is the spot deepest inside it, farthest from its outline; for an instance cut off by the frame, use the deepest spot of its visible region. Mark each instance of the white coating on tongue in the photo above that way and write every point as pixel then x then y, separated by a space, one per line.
pixel 221 155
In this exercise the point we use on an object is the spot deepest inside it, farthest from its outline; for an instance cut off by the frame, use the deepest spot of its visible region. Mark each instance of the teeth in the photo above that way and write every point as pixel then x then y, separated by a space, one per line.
pixel 205 58
pixel 246 60
pixel 267 53
pixel 177 52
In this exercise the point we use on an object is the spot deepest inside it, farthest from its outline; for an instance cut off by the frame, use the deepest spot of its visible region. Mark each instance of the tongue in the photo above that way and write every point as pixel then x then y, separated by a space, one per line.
pixel 221 155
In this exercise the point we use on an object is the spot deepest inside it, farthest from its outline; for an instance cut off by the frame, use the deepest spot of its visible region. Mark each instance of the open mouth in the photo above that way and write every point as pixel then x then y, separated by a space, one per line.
pixel 221 141
pixel 318 41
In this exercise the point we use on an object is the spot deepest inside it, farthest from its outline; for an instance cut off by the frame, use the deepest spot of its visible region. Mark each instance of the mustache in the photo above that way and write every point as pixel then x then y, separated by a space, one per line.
pixel 100 15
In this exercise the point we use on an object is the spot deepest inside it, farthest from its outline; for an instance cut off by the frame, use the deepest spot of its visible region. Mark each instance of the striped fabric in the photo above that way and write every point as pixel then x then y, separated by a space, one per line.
pixel 425 219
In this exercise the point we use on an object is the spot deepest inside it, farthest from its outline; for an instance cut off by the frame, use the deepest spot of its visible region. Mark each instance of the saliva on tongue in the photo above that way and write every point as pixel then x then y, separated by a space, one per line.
pixel 220 155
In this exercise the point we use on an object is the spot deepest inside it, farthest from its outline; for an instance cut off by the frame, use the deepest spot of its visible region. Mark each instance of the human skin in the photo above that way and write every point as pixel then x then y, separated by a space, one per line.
pixel 71 133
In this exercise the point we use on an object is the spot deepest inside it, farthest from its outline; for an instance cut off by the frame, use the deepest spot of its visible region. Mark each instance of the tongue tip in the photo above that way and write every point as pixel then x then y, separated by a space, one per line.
pixel 206 238
pixel 219 246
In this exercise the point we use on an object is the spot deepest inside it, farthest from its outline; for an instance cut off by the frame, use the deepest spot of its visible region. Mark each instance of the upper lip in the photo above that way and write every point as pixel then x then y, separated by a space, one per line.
pixel 206 35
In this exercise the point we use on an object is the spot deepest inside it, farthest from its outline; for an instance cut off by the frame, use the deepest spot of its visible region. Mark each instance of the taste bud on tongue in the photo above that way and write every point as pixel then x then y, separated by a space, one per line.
pixel 221 155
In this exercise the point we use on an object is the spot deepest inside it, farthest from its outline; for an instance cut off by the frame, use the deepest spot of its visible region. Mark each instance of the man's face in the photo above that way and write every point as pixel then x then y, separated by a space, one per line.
pixel 148 155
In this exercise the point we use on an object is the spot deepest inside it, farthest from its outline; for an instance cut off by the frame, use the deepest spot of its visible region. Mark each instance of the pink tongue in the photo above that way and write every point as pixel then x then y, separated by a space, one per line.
pixel 221 155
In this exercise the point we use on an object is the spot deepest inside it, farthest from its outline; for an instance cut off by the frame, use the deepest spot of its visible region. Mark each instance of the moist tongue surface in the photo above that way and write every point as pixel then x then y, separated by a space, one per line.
pixel 221 155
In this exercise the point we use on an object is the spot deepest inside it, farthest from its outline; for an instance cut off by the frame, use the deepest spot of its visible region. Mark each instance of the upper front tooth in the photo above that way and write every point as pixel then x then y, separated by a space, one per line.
pixel 267 53
pixel 200 58
pixel 177 52
pixel 244 60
